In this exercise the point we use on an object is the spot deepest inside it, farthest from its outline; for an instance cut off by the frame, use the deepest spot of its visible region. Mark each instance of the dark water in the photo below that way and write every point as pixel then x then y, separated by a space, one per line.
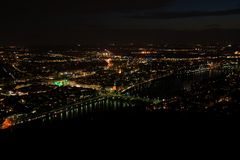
pixel 172 85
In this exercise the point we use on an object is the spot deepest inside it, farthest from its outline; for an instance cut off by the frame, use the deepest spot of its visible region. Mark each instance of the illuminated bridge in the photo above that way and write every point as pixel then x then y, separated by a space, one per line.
pixel 132 90
pixel 107 103
pixel 98 104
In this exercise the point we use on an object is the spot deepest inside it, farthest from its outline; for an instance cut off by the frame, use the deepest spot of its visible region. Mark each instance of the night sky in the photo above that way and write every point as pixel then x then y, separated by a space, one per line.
pixel 90 21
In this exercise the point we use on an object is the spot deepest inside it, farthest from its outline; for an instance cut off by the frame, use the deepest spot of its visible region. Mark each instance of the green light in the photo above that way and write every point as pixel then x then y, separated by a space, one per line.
pixel 61 83
pixel 58 83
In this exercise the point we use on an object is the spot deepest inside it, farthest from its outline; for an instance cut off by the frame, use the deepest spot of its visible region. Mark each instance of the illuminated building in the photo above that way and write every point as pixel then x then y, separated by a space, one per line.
pixel 6 124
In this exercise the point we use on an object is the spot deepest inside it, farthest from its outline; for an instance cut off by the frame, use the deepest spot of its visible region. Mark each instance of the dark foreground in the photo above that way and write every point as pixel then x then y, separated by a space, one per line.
pixel 132 126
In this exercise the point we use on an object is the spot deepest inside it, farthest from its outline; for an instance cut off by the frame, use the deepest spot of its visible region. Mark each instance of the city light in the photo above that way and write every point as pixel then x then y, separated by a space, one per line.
pixel 6 124
pixel 60 86
pixel 61 83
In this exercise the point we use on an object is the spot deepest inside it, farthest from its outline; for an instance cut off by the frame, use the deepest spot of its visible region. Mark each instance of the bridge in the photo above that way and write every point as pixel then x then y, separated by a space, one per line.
pixel 106 103
pixel 94 105
pixel 145 84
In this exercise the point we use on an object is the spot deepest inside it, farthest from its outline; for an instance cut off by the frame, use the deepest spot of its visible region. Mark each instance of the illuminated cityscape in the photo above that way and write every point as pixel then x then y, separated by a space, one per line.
pixel 121 64
pixel 64 84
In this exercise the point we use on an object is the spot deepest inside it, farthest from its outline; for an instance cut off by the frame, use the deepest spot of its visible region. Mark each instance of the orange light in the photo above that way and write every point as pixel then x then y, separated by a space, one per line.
pixel 211 65
pixel 114 88
pixel 110 65
pixel 119 71
pixel 109 61
pixel 6 124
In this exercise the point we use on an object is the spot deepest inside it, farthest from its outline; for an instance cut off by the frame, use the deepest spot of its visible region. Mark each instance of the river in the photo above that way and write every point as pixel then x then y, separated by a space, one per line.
pixel 171 86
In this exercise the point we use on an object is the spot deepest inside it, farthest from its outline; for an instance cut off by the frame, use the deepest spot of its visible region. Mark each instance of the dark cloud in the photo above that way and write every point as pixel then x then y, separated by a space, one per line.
pixel 175 15
pixel 81 6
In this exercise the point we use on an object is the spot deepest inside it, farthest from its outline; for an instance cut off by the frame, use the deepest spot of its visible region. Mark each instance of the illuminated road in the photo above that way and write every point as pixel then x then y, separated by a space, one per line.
pixel 18 69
